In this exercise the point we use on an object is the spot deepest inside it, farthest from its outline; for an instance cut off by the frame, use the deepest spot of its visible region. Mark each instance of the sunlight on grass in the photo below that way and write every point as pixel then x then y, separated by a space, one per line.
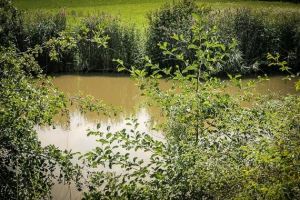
pixel 129 11
pixel 132 11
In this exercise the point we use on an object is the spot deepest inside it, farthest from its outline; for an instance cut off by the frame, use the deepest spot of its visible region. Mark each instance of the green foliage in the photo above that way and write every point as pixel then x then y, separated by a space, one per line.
pixel 275 61
pixel 27 100
pixel 256 31
pixel 259 32
pixel 214 147
pixel 249 30
pixel 124 42
pixel 200 46
pixel 11 24
pixel 171 19
pixel 79 49
pixel 92 45
pixel 27 169
pixel 240 154
pixel 40 27
pixel 288 36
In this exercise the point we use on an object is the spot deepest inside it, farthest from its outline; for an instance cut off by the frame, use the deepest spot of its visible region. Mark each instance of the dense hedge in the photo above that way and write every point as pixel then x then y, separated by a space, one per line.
pixel 40 27
pixel 257 32
pixel 123 43
pixel 26 30
pixel 11 25
pixel 171 19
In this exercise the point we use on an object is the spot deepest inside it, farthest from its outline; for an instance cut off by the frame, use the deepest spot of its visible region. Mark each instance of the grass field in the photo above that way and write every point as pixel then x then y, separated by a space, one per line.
pixel 134 11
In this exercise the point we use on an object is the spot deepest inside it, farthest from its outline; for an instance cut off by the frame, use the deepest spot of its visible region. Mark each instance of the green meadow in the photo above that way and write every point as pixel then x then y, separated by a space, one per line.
pixel 134 11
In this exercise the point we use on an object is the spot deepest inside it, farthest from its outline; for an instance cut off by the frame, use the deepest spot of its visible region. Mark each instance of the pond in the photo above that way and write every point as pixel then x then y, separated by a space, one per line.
pixel 118 91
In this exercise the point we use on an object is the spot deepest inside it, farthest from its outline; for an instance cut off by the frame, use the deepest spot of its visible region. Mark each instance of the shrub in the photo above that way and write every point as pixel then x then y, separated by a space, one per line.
pixel 124 42
pixel 288 38
pixel 224 21
pixel 260 32
pixel 27 168
pixel 214 147
pixel 39 27
pixel 171 19
pixel 11 26
pixel 249 31
pixel 176 21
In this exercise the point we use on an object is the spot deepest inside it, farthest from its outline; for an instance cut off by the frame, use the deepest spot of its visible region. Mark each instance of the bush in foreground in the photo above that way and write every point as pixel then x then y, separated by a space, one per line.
pixel 215 146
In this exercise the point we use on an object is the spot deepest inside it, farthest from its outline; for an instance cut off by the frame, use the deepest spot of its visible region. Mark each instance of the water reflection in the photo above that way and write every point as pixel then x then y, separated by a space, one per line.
pixel 118 91
pixel 75 136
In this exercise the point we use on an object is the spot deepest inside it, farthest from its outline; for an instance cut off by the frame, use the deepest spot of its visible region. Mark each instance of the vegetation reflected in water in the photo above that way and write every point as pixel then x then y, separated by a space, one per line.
pixel 118 91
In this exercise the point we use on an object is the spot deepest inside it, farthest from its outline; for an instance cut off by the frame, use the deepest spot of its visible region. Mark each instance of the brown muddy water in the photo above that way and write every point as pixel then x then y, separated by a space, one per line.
pixel 118 91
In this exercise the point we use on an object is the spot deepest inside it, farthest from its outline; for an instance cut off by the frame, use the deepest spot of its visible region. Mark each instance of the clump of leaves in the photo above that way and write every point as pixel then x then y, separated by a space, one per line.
pixel 214 147
pixel 171 19
pixel 29 99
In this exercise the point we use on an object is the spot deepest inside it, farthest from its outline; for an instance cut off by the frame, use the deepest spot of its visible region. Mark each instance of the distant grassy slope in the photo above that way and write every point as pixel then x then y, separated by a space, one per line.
pixel 56 4
pixel 50 4
pixel 129 10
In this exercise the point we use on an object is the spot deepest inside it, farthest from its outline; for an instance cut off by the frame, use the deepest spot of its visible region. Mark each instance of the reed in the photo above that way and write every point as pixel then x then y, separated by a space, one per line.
pixel 258 30
pixel 124 43
pixel 39 27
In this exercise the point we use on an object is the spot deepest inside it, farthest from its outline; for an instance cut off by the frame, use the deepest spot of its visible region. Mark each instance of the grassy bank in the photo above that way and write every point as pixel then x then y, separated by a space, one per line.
pixel 133 10
pixel 130 10
pixel 259 28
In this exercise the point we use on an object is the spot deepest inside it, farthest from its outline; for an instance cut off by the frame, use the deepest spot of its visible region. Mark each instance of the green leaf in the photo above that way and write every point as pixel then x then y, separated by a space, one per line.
pixel 297 85
pixel 121 69
pixel 108 135
pixel 175 36
pixel 192 46
pixel 98 126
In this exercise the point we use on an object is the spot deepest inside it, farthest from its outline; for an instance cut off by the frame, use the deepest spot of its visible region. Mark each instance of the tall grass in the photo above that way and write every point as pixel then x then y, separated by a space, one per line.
pixel 123 43
pixel 171 19
pixel 39 27
pixel 258 31
pixel 36 28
